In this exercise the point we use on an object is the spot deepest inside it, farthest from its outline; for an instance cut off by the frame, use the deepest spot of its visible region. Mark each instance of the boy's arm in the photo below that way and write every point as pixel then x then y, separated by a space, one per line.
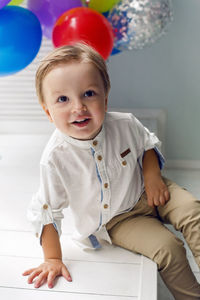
pixel 156 190
pixel 51 243
pixel 53 265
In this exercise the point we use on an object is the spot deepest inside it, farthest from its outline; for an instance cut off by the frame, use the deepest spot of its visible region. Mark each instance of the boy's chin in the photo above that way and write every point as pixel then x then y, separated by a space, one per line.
pixel 85 137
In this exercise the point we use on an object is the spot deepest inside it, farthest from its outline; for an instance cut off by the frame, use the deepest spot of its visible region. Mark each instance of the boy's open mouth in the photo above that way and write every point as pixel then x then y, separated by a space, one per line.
pixel 81 123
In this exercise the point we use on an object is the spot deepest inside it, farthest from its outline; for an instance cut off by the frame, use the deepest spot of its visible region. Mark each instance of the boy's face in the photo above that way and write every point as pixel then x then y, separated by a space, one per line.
pixel 75 100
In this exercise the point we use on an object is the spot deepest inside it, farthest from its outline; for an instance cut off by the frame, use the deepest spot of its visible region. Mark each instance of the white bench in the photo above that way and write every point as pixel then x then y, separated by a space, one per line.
pixel 110 273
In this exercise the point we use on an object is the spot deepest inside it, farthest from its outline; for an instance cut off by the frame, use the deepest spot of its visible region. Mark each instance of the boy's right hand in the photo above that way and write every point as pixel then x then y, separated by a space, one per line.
pixel 47 271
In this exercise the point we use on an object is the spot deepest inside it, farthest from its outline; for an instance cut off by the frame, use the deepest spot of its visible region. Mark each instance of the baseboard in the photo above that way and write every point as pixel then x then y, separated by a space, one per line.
pixel 182 164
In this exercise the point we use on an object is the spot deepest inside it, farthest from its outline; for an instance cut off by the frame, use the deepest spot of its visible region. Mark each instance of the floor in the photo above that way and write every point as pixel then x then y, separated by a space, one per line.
pixel 111 273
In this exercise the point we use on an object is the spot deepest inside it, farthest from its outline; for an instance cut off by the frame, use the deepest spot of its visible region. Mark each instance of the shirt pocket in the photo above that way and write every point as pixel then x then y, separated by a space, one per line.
pixel 122 164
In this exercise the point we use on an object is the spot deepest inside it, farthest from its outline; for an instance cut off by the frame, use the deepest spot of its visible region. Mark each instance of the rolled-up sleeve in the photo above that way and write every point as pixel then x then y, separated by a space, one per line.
pixel 48 203
pixel 146 141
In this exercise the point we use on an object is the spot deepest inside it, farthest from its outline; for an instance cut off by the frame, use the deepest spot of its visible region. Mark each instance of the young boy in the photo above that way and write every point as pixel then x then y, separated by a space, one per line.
pixel 106 168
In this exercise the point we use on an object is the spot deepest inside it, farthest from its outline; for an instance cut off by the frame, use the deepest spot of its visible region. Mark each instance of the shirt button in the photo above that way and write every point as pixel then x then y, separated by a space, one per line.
pixel 37 234
pixel 95 143
pixel 45 206
pixel 124 163
pixel 105 206
pixel 106 185
pixel 99 157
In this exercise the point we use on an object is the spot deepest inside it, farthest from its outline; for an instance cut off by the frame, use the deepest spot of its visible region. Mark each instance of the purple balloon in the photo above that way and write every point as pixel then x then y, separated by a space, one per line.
pixel 48 11
pixel 4 3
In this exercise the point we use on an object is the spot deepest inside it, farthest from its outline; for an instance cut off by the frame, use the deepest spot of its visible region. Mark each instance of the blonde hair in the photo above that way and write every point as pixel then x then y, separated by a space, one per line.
pixel 78 52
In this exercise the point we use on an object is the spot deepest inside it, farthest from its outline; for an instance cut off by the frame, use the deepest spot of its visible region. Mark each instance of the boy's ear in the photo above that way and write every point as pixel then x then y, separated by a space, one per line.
pixel 47 112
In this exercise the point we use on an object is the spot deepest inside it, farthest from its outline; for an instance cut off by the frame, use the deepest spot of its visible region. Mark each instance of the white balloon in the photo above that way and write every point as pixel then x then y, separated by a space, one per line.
pixel 137 23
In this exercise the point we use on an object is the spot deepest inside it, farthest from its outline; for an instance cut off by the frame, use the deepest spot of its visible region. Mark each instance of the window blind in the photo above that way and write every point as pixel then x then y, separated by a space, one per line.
pixel 18 99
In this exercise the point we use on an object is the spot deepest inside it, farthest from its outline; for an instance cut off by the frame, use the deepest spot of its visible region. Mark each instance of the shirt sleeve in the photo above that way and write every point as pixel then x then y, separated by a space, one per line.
pixel 147 140
pixel 47 204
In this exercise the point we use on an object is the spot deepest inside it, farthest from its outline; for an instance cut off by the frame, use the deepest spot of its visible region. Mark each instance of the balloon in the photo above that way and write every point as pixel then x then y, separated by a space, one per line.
pixel 87 25
pixel 4 3
pixel 16 2
pixel 101 5
pixel 139 23
pixel 20 38
pixel 115 51
pixel 106 14
pixel 48 12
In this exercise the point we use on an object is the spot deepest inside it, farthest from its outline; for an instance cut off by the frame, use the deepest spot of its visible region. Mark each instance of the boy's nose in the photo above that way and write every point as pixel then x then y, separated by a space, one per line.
pixel 78 106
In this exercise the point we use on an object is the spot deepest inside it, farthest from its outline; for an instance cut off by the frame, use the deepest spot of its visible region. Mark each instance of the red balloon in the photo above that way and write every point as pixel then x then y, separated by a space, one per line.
pixel 87 25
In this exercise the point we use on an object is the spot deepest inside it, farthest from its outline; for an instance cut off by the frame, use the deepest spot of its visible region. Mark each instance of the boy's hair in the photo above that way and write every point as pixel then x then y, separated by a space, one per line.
pixel 78 52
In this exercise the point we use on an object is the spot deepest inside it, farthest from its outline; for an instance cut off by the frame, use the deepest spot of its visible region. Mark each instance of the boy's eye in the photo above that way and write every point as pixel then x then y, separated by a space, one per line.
pixel 62 99
pixel 89 93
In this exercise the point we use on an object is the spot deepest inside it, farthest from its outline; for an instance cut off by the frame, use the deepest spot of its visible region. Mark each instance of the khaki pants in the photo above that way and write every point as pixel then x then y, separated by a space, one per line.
pixel 142 231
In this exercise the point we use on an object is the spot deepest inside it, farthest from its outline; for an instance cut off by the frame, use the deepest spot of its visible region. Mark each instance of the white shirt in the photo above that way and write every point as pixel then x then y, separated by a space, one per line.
pixel 97 179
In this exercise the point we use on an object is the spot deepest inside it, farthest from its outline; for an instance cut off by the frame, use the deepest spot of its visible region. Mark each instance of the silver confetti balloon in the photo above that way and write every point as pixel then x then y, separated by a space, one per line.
pixel 138 23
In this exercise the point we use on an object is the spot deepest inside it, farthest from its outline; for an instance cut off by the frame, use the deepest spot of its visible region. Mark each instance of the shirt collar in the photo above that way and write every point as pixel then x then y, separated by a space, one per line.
pixel 94 143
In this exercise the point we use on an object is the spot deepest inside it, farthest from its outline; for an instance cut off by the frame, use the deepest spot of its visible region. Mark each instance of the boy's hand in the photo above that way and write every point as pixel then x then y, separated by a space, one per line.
pixel 47 271
pixel 156 190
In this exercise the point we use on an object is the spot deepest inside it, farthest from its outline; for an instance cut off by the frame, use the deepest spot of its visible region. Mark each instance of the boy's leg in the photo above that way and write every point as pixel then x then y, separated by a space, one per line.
pixel 183 212
pixel 140 231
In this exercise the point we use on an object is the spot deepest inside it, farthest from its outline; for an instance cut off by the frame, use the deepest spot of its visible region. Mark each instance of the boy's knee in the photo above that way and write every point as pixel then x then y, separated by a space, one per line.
pixel 186 215
pixel 191 208
pixel 171 253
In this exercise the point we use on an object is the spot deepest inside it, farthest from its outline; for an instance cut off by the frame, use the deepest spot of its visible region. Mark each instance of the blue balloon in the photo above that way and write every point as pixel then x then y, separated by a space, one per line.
pixel 105 14
pixel 115 51
pixel 20 39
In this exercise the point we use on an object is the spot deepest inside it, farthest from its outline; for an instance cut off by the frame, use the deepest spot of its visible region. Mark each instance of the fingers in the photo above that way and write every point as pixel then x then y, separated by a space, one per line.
pixel 155 200
pixel 159 198
pixel 162 199
pixel 42 276
pixel 150 201
pixel 50 279
pixel 28 272
pixel 167 195
pixel 34 274
pixel 66 274
pixel 47 272
pixel 41 279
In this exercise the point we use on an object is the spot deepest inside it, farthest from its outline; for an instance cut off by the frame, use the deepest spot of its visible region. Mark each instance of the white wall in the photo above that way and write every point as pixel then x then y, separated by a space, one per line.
pixel 166 75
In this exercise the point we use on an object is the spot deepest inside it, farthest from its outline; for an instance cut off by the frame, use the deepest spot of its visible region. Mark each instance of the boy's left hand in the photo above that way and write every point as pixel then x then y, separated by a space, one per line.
pixel 157 191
